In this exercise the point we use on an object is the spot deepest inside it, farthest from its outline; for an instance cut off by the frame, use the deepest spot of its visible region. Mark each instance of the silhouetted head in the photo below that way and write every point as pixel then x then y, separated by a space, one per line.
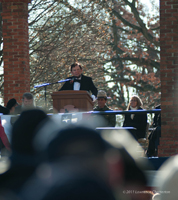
pixel 166 179
pixel 76 141
pixel 11 103
pixel 24 131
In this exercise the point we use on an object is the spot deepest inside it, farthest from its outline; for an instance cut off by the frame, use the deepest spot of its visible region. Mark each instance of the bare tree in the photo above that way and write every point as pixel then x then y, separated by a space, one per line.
pixel 112 40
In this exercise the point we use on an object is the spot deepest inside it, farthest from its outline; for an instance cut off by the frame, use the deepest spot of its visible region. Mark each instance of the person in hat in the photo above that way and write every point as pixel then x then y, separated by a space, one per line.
pixel 11 104
pixel 102 106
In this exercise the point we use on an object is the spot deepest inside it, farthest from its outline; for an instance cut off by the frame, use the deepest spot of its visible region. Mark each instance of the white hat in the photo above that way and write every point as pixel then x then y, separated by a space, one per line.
pixel 101 94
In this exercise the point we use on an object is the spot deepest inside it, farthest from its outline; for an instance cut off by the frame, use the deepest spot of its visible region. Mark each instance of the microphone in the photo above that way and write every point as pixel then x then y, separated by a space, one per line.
pixel 45 84
pixel 72 80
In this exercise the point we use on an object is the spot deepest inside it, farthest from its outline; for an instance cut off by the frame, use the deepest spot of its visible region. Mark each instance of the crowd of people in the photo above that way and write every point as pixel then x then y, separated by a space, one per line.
pixel 73 161
pixel 14 108
pixel 78 81
pixel 50 160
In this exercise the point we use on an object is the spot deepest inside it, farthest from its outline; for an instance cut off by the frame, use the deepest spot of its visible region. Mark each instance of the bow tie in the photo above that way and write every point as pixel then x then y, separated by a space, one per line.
pixel 77 80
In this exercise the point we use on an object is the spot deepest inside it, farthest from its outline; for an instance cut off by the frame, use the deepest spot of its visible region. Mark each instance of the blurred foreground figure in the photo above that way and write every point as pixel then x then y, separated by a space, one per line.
pixel 78 168
pixel 81 165
pixel 166 179
pixel 23 159
pixel 5 147
pixel 134 181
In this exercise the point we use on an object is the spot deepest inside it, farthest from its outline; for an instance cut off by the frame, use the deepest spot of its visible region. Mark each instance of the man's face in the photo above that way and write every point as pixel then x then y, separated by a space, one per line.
pixel 76 71
pixel 27 102
pixel 101 102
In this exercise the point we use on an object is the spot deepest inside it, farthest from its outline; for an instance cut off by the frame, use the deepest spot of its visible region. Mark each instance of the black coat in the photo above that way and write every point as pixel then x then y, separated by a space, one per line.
pixel 139 122
pixel 86 84
pixel 157 118
pixel 4 110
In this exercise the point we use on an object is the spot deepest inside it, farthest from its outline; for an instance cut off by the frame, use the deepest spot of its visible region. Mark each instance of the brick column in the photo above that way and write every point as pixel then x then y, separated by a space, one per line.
pixel 15 49
pixel 169 77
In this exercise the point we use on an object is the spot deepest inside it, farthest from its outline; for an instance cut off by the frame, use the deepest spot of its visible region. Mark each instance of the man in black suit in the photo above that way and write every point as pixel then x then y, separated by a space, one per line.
pixel 79 81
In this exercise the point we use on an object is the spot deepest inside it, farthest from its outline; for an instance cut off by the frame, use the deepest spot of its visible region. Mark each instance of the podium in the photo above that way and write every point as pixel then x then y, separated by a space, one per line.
pixel 72 101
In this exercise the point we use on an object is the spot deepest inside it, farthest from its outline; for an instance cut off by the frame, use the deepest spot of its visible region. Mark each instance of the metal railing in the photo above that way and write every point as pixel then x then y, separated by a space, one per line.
pixel 116 112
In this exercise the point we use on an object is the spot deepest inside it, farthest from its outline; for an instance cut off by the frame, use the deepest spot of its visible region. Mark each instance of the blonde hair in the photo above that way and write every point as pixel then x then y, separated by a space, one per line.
pixel 139 101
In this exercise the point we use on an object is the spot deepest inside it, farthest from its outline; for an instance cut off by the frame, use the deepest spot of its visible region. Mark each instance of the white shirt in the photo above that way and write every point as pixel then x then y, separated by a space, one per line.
pixel 76 86
pixel 132 115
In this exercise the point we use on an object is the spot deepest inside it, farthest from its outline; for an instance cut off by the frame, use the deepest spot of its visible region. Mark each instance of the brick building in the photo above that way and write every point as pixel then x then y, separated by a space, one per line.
pixel 169 77
pixel 16 49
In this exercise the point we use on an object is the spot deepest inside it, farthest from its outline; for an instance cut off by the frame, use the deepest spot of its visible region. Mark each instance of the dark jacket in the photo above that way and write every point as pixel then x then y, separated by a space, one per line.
pixel 86 84
pixel 155 135
pixel 157 118
pixel 139 122
pixel 19 109
pixel 110 119
pixel 4 110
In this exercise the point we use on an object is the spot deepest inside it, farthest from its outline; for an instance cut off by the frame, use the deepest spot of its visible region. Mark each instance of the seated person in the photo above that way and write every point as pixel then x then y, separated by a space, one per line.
pixel 138 121
pixel 102 100
pixel 27 103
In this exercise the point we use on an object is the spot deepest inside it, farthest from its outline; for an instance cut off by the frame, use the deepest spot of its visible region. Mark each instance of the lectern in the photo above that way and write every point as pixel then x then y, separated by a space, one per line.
pixel 72 100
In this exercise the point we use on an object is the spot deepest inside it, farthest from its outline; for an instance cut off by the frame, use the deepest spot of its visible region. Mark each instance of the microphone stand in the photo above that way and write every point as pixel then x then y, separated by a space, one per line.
pixel 46 84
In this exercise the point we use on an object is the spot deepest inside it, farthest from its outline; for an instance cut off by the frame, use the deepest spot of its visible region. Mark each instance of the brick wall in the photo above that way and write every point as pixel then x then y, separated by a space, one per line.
pixel 15 49
pixel 169 77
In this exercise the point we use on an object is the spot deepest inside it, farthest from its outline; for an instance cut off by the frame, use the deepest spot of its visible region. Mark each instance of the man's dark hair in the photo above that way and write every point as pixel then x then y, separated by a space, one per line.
pixel 27 95
pixel 11 103
pixel 28 122
pixel 75 64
